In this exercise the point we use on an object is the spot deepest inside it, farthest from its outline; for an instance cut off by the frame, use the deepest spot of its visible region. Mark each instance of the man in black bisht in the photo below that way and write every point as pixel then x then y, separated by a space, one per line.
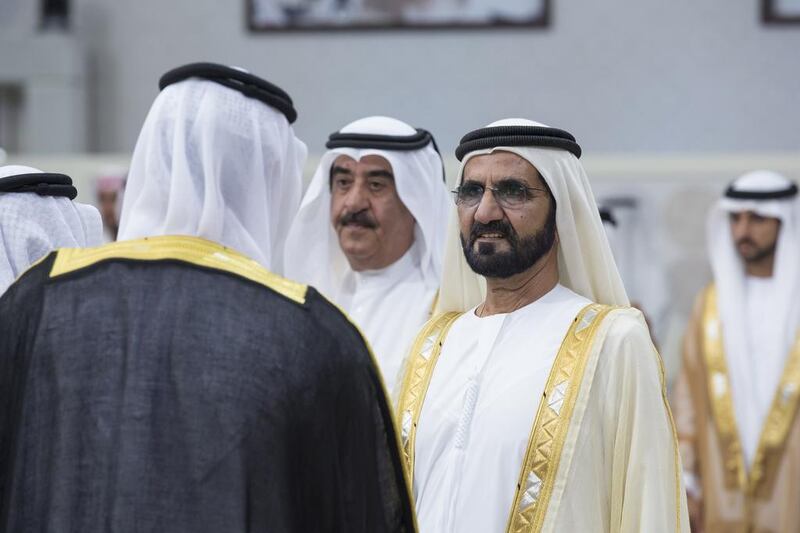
pixel 173 383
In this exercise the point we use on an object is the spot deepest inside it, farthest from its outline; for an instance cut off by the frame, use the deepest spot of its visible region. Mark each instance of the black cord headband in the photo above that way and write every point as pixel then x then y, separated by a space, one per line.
pixel 401 143
pixel 404 143
pixel 789 192
pixel 43 184
pixel 238 80
pixel 494 136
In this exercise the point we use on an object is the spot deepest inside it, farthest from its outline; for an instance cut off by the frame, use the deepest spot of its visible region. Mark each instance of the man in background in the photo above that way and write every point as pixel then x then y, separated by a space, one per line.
pixel 109 188
pixel 736 398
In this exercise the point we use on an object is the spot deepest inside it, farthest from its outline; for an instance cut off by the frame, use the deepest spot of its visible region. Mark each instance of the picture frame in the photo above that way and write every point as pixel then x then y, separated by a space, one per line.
pixel 780 11
pixel 265 16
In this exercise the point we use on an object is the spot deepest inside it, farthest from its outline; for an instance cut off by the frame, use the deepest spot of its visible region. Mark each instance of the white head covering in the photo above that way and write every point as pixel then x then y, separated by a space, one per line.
pixel 585 262
pixel 213 163
pixel 31 226
pixel 313 254
pixel 730 279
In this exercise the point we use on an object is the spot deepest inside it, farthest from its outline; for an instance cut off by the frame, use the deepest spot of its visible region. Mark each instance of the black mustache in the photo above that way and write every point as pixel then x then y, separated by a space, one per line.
pixel 745 241
pixel 359 218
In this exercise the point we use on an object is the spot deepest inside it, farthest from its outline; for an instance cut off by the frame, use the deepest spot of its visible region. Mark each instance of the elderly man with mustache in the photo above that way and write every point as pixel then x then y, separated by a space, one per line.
pixel 370 232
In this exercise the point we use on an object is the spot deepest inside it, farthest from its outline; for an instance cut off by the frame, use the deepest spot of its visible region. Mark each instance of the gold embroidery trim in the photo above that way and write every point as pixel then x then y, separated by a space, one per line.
pixel 719 392
pixel 779 419
pixel 422 361
pixel 549 431
pixel 192 250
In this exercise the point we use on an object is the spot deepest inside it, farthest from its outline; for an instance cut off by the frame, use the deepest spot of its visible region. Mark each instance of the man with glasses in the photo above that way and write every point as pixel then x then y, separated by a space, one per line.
pixel 535 399
pixel 370 232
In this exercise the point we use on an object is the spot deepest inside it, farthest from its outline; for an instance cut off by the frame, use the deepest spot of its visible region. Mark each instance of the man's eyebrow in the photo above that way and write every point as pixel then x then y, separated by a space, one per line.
pixel 380 173
pixel 513 179
pixel 336 169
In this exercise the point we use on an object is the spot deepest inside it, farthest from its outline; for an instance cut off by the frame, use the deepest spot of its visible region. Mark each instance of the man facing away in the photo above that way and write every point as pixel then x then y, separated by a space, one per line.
pixel 536 402
pixel 737 396
pixel 170 382
pixel 370 232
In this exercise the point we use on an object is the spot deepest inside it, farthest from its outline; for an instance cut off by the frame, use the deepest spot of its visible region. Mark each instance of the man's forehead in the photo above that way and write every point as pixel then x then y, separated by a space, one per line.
pixel 368 161
pixel 500 164
pixel 750 213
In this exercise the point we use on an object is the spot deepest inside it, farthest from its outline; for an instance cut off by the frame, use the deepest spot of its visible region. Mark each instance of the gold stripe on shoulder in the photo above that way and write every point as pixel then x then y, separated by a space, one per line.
pixel 422 362
pixel 549 431
pixel 193 250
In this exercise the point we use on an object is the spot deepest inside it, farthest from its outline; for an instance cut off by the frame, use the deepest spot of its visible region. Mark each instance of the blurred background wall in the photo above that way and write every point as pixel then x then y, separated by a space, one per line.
pixel 624 75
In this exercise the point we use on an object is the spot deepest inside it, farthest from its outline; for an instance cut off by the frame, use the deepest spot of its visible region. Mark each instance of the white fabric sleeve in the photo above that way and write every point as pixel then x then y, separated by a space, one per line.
pixel 647 486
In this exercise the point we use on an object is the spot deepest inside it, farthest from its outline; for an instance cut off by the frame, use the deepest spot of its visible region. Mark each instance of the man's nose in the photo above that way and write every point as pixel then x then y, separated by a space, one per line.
pixel 488 209
pixel 356 199
pixel 740 228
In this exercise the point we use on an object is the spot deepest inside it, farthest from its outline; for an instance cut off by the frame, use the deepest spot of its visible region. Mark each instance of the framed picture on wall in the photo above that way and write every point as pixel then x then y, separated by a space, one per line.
pixel 780 11
pixel 293 15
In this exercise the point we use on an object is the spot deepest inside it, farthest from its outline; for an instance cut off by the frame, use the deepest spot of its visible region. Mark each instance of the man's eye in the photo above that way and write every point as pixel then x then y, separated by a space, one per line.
pixel 376 186
pixel 512 191
pixel 471 191
pixel 341 183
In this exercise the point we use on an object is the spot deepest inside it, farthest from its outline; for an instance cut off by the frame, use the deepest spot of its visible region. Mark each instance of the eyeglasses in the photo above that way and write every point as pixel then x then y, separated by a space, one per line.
pixel 509 194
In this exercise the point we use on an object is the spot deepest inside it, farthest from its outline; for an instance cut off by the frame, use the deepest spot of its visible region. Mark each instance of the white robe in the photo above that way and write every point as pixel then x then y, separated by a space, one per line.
pixel 474 427
pixel 755 372
pixel 389 305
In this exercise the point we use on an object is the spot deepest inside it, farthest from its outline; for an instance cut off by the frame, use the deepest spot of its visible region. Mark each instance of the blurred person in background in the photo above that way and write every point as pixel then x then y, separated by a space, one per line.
pixel 170 381
pixel 109 189
pixel 38 215
pixel 737 395
pixel 370 232
pixel 645 284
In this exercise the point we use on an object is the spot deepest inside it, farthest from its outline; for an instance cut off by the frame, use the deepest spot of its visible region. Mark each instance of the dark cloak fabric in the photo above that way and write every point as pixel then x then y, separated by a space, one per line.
pixel 164 396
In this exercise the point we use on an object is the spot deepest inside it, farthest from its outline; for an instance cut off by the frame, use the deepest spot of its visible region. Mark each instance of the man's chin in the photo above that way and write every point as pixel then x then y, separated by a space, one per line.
pixel 755 257
pixel 492 265
pixel 356 249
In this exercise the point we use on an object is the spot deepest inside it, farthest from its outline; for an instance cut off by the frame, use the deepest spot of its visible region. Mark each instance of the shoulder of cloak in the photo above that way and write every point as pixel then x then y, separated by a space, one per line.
pixel 192 251
pixel 29 284
pixel 627 328
pixel 198 253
